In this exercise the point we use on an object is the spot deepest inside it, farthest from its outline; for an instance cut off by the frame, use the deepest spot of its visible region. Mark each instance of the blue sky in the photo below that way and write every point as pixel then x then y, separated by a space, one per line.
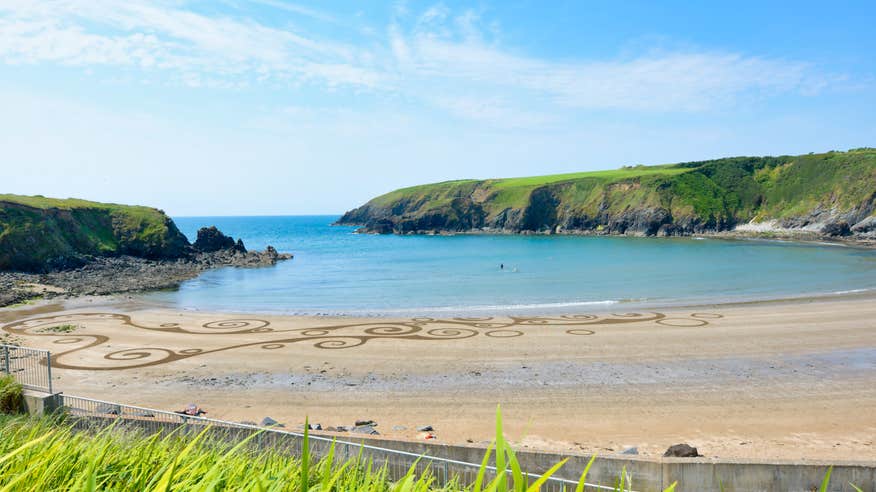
pixel 242 107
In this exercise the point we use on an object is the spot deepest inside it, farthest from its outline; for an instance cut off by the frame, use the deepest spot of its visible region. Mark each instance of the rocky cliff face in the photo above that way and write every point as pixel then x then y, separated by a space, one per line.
pixel 71 247
pixel 37 236
pixel 831 194
pixel 41 235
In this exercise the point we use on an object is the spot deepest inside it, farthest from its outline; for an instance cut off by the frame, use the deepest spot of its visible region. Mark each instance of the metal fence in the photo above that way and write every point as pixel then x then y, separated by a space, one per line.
pixel 88 413
pixel 31 367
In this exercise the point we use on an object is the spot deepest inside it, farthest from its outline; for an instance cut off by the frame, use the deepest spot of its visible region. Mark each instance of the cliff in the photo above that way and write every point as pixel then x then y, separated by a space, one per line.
pixel 42 234
pixel 831 194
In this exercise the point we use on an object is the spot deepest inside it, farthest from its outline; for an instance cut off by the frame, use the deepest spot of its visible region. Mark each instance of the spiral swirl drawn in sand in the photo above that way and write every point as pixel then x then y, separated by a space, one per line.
pixel 86 346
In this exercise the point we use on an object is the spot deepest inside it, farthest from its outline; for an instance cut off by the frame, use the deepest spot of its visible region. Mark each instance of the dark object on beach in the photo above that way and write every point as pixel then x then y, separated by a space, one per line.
pixel 191 410
pixel 425 428
pixel 314 427
pixel 269 422
pixel 109 409
pixel 366 422
pixel 630 450
pixel 681 451
pixel 365 429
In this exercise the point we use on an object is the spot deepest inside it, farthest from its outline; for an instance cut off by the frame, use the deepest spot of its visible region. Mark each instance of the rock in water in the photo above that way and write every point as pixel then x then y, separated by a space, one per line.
pixel 681 451
pixel 211 239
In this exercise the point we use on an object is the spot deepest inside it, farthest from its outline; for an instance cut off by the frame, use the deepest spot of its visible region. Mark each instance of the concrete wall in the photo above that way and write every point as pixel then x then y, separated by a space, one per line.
pixel 648 474
pixel 39 403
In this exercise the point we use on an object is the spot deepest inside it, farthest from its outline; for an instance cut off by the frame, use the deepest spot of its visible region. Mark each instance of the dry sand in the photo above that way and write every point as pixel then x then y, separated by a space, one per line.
pixel 786 380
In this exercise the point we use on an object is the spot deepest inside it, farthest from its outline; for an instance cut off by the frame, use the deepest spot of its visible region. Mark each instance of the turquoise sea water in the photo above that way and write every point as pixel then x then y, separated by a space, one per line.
pixel 338 272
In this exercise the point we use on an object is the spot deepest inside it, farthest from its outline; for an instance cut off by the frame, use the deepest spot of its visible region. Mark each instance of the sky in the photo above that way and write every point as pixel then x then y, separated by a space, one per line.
pixel 269 107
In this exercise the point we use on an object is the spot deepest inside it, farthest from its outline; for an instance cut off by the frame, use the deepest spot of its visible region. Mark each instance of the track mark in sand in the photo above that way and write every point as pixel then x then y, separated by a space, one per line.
pixel 332 337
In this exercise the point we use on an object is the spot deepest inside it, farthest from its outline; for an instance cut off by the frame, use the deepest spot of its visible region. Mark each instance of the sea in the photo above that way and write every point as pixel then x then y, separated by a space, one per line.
pixel 336 271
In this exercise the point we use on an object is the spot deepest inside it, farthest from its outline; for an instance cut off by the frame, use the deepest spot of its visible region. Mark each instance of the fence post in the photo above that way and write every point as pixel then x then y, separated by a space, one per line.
pixel 49 367
pixel 6 358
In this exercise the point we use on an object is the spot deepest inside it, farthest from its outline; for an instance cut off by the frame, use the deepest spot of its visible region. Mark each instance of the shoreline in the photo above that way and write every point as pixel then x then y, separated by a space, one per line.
pixel 765 380
pixel 539 309
pixel 134 301
pixel 780 235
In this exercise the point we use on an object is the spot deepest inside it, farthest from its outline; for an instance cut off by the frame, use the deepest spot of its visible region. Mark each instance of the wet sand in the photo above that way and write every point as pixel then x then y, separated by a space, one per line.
pixel 788 380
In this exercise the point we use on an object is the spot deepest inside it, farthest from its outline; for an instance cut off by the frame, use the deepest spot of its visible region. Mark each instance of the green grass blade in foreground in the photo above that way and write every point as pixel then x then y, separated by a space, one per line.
pixel 826 481
pixel 536 486
pixel 516 471
pixel 479 481
pixel 305 457
pixel 166 481
pixel 501 478
pixel 583 479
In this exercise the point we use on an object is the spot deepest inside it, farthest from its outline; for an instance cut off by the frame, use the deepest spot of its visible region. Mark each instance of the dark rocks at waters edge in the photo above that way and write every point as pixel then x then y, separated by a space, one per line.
pixel 681 451
pixel 104 275
pixel 12 291
pixel 211 239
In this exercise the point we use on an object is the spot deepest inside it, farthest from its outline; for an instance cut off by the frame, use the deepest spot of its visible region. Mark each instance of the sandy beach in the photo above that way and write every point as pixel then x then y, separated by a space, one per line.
pixel 777 380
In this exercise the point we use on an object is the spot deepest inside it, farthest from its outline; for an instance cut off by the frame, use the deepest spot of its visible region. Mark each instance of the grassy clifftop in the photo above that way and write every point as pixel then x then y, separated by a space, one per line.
pixel 39 233
pixel 833 193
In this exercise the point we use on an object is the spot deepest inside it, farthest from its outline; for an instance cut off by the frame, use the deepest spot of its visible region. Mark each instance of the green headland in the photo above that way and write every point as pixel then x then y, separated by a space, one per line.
pixel 831 194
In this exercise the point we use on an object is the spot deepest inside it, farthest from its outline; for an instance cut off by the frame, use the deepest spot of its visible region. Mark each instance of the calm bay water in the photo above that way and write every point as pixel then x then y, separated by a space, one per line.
pixel 337 272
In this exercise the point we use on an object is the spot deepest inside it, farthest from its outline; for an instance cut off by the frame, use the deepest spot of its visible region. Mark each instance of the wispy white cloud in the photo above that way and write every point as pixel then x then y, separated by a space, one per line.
pixel 159 36
pixel 448 60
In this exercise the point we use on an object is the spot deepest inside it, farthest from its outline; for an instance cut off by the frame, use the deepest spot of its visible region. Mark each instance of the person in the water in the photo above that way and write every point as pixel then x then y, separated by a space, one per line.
pixel 501 266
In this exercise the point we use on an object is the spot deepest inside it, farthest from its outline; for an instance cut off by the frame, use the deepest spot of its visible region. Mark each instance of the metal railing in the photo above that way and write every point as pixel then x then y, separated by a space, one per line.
pixel 30 367
pixel 90 413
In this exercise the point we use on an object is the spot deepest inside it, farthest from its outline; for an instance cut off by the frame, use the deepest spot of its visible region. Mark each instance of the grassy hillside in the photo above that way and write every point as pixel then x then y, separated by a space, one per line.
pixel 39 233
pixel 814 191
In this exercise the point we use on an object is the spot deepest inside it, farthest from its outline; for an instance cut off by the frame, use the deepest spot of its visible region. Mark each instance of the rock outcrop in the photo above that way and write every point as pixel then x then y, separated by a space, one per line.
pixel 78 247
pixel 825 195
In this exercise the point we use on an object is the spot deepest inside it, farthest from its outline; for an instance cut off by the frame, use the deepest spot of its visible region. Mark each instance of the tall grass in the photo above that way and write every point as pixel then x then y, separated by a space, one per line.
pixel 47 454
pixel 11 395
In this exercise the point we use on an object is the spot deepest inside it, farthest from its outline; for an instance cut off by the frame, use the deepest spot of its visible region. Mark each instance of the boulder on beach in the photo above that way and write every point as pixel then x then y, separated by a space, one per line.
pixel 681 451
pixel 366 422
pixel 365 429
